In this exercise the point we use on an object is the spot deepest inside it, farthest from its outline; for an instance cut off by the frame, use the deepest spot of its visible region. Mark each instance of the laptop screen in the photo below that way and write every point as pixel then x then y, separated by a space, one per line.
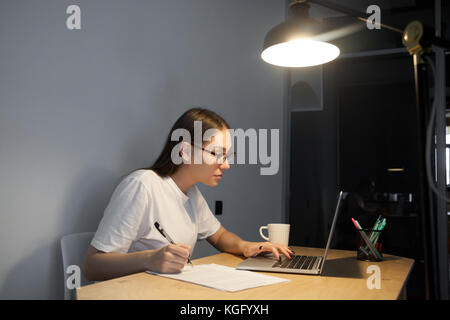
pixel 341 196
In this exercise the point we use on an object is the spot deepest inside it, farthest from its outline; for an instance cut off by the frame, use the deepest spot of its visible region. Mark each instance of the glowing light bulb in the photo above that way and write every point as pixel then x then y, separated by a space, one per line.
pixel 300 53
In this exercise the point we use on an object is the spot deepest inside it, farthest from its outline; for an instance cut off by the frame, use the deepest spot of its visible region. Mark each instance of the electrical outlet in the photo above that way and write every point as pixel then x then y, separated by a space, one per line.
pixel 218 209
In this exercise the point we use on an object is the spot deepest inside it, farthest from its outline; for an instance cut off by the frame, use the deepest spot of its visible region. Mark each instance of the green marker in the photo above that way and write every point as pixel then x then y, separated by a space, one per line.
pixel 383 224
pixel 377 224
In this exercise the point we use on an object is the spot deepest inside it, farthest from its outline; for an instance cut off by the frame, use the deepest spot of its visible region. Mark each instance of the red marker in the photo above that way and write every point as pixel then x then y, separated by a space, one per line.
pixel 356 224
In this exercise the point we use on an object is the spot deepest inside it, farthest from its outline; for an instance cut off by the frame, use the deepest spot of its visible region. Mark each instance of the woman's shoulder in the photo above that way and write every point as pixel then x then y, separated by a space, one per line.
pixel 195 194
pixel 147 177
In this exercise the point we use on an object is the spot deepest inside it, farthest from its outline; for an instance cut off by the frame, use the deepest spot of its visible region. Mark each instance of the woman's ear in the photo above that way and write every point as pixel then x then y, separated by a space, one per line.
pixel 185 153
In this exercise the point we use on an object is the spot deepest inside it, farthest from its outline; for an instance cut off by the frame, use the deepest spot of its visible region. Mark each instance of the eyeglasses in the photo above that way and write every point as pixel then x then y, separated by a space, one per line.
pixel 219 156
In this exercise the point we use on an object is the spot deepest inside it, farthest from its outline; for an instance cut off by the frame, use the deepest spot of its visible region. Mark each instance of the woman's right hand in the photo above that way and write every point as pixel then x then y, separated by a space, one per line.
pixel 169 259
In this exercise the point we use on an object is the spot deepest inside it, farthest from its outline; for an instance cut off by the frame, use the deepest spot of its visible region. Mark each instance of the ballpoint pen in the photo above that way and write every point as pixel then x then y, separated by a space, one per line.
pixel 165 235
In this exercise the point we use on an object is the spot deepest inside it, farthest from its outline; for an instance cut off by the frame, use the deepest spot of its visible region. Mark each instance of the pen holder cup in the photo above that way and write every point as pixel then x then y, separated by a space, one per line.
pixel 366 252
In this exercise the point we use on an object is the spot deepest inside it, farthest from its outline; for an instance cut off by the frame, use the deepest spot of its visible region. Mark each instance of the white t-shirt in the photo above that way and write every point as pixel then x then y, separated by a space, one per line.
pixel 143 198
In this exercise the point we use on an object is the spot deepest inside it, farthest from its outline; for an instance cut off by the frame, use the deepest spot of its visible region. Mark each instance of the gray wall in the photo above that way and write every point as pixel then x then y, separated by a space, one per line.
pixel 78 109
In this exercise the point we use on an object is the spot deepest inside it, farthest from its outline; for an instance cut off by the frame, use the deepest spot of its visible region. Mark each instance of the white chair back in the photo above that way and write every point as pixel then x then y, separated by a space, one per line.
pixel 73 248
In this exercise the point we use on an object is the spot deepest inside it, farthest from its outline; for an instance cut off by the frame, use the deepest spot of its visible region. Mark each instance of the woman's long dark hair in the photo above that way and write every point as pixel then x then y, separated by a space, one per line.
pixel 164 165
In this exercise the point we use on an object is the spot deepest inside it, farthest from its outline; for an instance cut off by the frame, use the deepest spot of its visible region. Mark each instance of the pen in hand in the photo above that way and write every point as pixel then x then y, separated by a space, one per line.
pixel 165 235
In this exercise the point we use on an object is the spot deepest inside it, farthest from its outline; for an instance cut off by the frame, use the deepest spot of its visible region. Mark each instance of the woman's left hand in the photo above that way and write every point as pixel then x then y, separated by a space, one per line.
pixel 252 249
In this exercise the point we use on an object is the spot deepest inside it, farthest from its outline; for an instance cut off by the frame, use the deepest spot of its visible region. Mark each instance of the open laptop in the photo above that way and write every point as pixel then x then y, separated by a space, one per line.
pixel 298 264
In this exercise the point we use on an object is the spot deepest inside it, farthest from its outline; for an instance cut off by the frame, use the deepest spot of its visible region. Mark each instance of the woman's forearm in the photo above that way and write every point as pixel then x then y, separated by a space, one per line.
pixel 100 266
pixel 231 243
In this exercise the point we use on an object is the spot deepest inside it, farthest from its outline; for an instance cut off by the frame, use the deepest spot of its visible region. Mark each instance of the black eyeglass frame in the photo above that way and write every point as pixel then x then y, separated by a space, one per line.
pixel 217 156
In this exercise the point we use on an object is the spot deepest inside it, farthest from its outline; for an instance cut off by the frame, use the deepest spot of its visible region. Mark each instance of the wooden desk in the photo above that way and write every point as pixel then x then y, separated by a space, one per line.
pixel 343 277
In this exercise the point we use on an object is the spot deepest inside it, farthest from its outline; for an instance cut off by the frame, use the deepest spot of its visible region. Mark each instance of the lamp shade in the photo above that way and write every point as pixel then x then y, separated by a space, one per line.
pixel 296 42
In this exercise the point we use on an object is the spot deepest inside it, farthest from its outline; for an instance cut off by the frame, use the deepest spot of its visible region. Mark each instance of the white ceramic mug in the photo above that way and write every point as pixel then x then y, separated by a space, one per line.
pixel 278 233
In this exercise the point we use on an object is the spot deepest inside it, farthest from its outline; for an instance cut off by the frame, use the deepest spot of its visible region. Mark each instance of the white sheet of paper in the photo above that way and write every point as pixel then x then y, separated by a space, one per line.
pixel 222 278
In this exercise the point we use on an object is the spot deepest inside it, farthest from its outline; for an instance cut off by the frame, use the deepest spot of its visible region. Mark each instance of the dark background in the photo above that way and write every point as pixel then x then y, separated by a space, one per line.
pixel 366 125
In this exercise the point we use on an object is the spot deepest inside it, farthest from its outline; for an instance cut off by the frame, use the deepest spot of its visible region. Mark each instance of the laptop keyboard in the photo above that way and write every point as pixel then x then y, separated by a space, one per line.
pixel 297 262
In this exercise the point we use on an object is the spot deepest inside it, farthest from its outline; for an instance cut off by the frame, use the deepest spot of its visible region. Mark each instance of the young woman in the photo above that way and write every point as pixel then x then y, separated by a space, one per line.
pixel 127 240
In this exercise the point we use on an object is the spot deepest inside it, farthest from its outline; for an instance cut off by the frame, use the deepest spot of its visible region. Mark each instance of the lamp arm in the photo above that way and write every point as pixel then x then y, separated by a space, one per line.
pixel 430 36
pixel 351 12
